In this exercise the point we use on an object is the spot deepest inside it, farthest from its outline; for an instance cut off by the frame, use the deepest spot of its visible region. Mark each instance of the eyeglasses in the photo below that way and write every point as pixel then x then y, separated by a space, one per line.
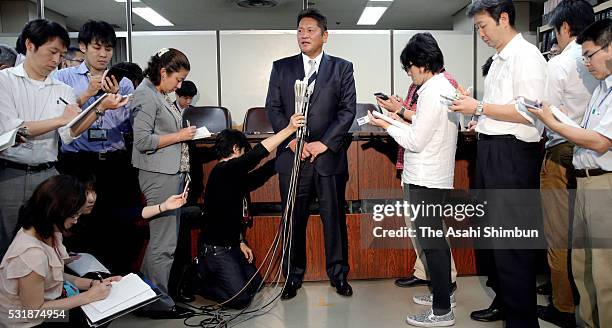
pixel 587 58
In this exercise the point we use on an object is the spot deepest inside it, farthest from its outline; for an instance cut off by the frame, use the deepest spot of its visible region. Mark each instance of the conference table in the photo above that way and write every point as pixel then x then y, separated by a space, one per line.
pixel 373 181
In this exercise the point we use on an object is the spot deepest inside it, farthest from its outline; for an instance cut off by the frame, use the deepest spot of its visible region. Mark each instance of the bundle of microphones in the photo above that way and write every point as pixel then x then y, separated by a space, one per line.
pixel 273 264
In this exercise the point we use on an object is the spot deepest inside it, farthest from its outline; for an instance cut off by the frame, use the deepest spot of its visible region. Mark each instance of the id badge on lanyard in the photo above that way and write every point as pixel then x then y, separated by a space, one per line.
pixel 96 134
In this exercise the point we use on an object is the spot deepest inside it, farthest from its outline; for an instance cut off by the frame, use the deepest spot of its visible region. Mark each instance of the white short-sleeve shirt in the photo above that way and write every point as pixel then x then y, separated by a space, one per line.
pixel 598 117
pixel 23 99
pixel 519 70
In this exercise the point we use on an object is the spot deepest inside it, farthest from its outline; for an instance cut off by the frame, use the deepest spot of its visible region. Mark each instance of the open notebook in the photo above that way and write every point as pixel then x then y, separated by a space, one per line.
pixel 127 295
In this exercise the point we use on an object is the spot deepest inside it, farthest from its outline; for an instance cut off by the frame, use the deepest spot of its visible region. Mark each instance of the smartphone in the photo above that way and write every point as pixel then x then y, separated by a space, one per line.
pixel 381 96
pixel 187 181
pixel 532 104
pixel 118 72
pixel 451 99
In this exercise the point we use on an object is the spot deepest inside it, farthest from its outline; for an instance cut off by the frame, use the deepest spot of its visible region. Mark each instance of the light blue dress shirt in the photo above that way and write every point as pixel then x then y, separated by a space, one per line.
pixel 116 122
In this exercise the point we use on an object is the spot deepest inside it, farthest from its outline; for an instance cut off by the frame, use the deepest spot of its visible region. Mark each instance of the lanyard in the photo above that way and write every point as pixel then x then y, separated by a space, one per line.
pixel 593 108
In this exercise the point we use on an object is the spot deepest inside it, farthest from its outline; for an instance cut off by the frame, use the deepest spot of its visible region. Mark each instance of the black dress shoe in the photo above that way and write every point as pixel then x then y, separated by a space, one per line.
pixel 290 290
pixel 342 287
pixel 544 289
pixel 411 281
pixel 183 298
pixel 177 312
pixel 551 314
pixel 489 314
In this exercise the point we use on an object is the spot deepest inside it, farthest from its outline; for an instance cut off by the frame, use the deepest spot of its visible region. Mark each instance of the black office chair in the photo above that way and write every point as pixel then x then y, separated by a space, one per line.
pixel 362 110
pixel 214 118
pixel 256 122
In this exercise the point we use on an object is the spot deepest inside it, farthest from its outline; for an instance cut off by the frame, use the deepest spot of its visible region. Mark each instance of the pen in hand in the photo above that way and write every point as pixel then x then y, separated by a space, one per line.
pixel 99 276
pixel 62 100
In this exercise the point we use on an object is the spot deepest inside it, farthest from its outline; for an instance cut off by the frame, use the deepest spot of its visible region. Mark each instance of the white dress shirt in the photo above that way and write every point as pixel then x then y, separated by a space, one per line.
pixel 598 117
pixel 23 99
pixel 431 140
pixel 569 86
pixel 317 63
pixel 519 70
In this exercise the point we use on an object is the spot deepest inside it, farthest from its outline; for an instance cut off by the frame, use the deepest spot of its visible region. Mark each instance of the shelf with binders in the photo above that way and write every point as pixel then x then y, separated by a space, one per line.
pixel 546 32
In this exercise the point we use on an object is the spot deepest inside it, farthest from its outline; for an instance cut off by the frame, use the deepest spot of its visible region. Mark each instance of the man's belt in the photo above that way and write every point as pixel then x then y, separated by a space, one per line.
pixel 590 173
pixel 94 156
pixel 25 167
pixel 482 136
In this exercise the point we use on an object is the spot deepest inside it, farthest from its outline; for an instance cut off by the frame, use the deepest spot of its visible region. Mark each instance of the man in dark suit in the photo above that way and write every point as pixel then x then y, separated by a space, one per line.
pixel 324 167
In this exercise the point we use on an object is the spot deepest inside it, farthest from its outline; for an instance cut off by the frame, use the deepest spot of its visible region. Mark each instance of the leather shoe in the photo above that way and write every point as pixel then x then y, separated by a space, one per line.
pixel 342 287
pixel 489 314
pixel 551 314
pixel 177 312
pixel 411 281
pixel 183 298
pixel 544 289
pixel 290 290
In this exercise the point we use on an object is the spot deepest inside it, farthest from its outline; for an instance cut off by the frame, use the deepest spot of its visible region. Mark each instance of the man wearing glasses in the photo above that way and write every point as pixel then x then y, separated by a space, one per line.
pixel 592 158
pixel 73 57
pixel 569 86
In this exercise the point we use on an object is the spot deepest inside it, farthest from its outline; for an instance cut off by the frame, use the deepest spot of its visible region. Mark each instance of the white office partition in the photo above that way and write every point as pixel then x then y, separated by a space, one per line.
pixel 246 62
pixel 8 40
pixel 200 47
pixel 457 48
pixel 247 56
pixel 370 53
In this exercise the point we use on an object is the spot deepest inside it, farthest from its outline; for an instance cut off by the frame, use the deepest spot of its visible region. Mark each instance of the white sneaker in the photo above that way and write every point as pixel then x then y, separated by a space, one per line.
pixel 428 319
pixel 428 300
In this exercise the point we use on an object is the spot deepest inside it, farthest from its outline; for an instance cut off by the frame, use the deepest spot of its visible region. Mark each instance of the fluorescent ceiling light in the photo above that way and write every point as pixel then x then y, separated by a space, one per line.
pixel 371 15
pixel 139 0
pixel 152 16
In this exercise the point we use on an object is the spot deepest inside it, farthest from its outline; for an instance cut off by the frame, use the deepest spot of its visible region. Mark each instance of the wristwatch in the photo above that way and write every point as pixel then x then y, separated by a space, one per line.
pixel 99 112
pixel 479 108
pixel 401 112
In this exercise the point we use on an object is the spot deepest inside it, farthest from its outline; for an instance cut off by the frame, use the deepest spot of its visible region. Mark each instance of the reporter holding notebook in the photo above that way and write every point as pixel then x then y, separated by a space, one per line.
pixel 32 271
pixel 162 157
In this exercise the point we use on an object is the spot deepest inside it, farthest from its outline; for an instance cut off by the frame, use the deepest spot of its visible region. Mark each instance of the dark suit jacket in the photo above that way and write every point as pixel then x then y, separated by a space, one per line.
pixel 332 109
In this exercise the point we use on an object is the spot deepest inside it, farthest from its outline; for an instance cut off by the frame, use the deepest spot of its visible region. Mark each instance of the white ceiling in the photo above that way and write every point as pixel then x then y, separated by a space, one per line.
pixel 227 15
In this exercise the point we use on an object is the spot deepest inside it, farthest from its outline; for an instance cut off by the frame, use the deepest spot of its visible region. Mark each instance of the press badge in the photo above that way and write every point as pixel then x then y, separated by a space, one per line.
pixel 94 134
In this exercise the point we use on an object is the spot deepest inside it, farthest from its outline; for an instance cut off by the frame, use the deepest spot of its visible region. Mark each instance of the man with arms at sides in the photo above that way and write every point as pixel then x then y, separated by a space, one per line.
pixel 570 87
pixel 592 159
pixel 508 158
pixel 324 166
pixel 30 98
pixel 101 151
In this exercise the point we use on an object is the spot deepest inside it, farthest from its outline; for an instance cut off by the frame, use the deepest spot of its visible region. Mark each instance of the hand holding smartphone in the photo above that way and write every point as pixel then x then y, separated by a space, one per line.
pixel 187 181
pixel 381 96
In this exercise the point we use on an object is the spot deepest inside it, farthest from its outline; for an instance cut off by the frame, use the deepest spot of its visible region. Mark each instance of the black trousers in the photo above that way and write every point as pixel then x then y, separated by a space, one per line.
pixel 329 191
pixel 226 272
pixel 510 164
pixel 436 249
